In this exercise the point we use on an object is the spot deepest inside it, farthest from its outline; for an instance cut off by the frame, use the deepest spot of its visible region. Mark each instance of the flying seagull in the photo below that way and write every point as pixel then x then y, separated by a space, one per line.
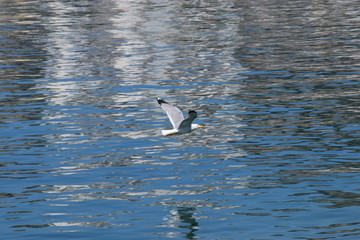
pixel 180 124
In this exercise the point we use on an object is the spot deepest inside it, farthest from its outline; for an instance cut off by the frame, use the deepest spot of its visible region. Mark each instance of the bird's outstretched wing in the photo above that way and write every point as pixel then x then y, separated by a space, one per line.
pixel 174 114
pixel 185 125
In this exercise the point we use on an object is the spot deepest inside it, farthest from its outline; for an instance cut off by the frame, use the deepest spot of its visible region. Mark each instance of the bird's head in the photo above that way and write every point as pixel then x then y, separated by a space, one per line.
pixel 195 126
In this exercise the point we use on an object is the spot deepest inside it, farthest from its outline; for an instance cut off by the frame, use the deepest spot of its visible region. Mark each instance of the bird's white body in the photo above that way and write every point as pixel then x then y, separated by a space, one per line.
pixel 174 131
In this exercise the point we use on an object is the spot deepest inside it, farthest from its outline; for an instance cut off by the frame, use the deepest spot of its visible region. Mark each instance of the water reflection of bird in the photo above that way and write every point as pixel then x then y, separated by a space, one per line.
pixel 182 218
pixel 180 124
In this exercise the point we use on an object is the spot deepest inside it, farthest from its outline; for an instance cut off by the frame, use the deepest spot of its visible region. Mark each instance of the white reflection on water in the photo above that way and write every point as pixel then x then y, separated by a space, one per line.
pixel 139 46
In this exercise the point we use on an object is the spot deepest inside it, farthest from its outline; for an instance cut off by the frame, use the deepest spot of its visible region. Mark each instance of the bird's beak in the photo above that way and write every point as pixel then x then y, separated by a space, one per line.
pixel 201 126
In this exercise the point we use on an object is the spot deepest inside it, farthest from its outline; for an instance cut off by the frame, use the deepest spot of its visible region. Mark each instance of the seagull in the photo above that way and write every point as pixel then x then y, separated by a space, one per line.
pixel 180 124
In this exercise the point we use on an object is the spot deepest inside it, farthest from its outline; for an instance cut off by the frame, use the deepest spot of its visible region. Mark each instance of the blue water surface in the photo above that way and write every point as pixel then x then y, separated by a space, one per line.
pixel 276 85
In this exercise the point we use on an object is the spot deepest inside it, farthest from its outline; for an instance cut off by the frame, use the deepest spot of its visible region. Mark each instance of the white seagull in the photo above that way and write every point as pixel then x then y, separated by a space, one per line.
pixel 180 124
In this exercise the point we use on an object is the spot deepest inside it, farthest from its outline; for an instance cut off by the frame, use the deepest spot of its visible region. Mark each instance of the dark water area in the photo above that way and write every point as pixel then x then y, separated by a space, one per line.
pixel 276 83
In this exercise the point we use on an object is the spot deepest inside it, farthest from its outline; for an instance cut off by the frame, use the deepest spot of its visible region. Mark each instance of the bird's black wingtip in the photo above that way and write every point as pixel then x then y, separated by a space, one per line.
pixel 160 101
pixel 191 111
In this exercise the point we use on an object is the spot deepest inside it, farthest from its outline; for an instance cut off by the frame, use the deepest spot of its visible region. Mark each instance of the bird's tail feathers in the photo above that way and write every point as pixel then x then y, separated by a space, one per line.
pixel 169 132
